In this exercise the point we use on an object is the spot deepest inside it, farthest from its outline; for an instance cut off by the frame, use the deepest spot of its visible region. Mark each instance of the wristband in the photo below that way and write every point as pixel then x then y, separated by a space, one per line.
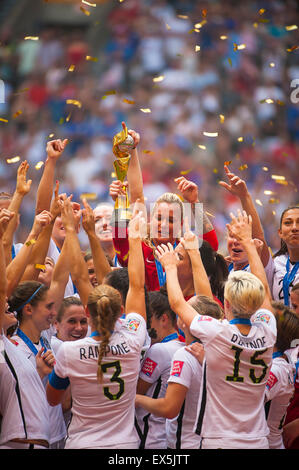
pixel 30 242
pixel 42 267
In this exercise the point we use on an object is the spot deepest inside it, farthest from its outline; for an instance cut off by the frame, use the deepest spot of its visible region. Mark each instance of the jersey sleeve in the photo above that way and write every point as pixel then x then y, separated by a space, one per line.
pixel 58 378
pixel 135 325
pixel 121 245
pixel 211 238
pixel 152 366
pixel 265 317
pixel 182 369
pixel 205 328
pixel 274 383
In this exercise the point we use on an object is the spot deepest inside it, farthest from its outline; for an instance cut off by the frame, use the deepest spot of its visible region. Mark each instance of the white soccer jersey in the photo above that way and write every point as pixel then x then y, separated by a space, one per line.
pixel 269 270
pixel 279 273
pixel 155 370
pixel 187 371
pixel 279 391
pixel 57 424
pixel 103 414
pixel 235 374
pixel 23 405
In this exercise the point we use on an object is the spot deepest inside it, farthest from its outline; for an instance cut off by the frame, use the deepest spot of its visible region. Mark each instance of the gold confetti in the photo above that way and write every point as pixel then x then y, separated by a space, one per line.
pixel 263 20
pixel 61 120
pixel 148 152
pixel 261 11
pixel 89 4
pixel 291 27
pixel 17 113
pixel 39 165
pixel 227 162
pixel 278 177
pixel 86 12
pixel 281 103
pixel 223 37
pixel 108 93
pixel 259 202
pixel 240 139
pixel 68 117
pixel 222 117
pixel 93 59
pixel 266 100
pixel 272 64
pixel 91 196
pixel 32 38
pixel 158 79
pixel 3 120
pixel 74 102
pixel 211 134
pixel 183 17
pixel 168 161
pixel 204 12
pixel 21 91
pixel 71 68
pixel 113 175
pixel 239 47
pixel 200 25
pixel 203 147
pixel 125 100
pixel 272 200
pixel 50 136
pixel 145 110
pixel 196 30
pixel 167 26
pixel 197 48
pixel 255 25
pixel 13 160
pixel 230 61
pixel 243 167
pixel 274 213
pixel 293 48
pixel 41 267
pixel 215 170
pixel 265 168
pixel 185 172
pixel 268 193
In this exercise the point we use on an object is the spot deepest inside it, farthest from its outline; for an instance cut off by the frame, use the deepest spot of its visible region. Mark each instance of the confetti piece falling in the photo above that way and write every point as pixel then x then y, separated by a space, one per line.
pixel 93 59
pixel 200 25
pixel 89 4
pixel 32 38
pixel 50 136
pixel 291 27
pixel 108 93
pixel 17 113
pixel 261 11
pixel 278 177
pixel 197 48
pixel 113 175
pixel 125 100
pixel 168 161
pixel 71 68
pixel 158 79
pixel 3 120
pixel 259 202
pixel 243 167
pixel 222 118
pixel 185 172
pixel 239 47
pixel 265 168
pixel 183 17
pixel 145 110
pixel 223 37
pixel 86 12
pixel 272 64
pixel 240 139
pixel 215 170
pixel 91 196
pixel 227 162
pixel 268 193
pixel 209 214
pixel 74 102
pixel 230 61
pixel 280 103
pixel 272 200
pixel 13 160
pixel 203 147
pixel 21 91
pixel 167 26
pixel 293 48
pixel 39 165
pixel 68 117
pixel 148 152
pixel 211 134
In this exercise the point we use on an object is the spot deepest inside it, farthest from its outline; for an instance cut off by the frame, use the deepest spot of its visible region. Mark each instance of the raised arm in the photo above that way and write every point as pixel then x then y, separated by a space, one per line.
pixel 54 150
pixel 238 188
pixel 17 266
pixel 22 188
pixel 101 264
pixel 241 228
pixel 200 279
pixel 135 301
pixel 169 261
pixel 5 217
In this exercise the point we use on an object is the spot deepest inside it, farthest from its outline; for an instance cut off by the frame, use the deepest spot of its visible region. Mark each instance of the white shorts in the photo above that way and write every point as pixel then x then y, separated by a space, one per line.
pixel 221 443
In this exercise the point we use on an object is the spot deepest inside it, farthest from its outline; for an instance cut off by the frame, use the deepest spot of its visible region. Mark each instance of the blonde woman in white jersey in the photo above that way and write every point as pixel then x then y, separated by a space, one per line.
pixel 102 369
pixel 238 351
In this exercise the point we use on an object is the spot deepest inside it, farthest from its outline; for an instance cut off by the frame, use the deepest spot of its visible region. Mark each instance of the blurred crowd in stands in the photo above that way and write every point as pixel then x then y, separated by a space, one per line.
pixel 216 87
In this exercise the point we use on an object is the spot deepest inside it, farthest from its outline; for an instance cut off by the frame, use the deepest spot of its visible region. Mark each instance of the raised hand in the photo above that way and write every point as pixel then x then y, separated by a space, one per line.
pixel 23 186
pixel 197 350
pixel 137 226
pixel 116 188
pixel 88 221
pixel 188 189
pixel 240 226
pixel 166 255
pixel 133 134
pixel 5 217
pixel 40 221
pixel 67 214
pixel 55 148
pixel 236 185
pixel 45 362
pixel 190 240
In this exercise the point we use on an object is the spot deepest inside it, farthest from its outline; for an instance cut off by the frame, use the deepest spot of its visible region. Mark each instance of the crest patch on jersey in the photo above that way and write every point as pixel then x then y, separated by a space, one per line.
pixel 262 317
pixel 204 318
pixel 149 367
pixel 133 325
pixel 177 368
pixel 272 379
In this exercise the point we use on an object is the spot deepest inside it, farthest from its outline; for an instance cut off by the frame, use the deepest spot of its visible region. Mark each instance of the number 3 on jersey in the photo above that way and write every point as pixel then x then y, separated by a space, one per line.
pixel 115 378
pixel 253 360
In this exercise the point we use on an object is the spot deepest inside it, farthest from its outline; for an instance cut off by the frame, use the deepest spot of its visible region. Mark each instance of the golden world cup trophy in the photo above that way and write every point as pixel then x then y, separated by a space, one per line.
pixel 123 145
